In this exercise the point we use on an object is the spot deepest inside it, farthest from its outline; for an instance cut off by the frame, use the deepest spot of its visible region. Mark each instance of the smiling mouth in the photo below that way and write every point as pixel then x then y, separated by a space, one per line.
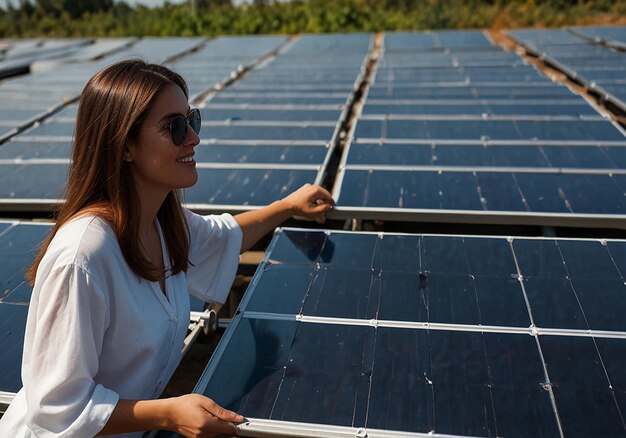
pixel 186 160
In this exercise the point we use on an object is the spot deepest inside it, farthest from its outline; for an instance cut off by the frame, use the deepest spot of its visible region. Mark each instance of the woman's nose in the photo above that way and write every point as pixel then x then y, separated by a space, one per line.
pixel 192 136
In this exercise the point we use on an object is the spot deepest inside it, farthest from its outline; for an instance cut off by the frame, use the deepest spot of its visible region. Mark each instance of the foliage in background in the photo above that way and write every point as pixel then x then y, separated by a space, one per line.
pixel 73 18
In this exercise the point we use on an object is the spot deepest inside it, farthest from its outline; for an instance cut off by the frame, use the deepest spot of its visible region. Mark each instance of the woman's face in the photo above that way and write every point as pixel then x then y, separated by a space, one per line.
pixel 155 161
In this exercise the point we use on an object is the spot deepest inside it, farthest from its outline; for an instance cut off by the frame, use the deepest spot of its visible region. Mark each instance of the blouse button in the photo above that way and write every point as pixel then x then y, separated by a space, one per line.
pixel 174 319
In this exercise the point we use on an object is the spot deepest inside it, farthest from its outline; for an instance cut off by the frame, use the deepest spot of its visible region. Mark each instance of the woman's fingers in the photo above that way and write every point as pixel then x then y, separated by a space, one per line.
pixel 311 201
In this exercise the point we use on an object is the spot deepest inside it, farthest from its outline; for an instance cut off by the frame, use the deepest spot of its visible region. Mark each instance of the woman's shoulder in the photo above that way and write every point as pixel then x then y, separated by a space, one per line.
pixel 82 241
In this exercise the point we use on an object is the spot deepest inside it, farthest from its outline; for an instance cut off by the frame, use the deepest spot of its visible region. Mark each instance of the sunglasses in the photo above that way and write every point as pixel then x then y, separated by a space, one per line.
pixel 180 124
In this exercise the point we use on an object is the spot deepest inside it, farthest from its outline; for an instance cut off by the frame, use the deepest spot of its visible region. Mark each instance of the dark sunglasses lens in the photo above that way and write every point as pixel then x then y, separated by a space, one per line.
pixel 178 130
pixel 195 121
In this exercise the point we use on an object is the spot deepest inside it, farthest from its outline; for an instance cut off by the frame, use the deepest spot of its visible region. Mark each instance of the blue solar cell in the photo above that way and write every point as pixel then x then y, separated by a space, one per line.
pixel 542 192
pixel 282 289
pixel 591 193
pixel 400 394
pixel 342 293
pixel 580 156
pixel 517 156
pixel 617 156
pixel 501 301
pixel 617 252
pixel 581 387
pixel 612 352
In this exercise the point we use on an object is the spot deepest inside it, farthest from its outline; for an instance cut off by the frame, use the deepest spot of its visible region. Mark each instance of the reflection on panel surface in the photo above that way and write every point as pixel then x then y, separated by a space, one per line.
pixel 420 334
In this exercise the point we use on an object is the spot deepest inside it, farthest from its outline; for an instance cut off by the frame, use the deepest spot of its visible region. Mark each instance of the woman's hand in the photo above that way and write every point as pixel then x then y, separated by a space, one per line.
pixel 310 201
pixel 194 415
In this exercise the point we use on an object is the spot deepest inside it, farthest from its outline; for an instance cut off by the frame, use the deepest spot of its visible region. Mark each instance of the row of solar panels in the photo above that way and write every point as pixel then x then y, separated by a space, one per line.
pixel 457 132
pixel 594 56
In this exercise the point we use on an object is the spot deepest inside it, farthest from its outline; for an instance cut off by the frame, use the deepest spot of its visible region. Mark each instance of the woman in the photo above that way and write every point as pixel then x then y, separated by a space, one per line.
pixel 110 304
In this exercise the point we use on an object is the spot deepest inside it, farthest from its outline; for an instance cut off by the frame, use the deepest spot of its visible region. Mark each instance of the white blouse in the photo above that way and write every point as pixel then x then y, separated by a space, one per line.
pixel 96 332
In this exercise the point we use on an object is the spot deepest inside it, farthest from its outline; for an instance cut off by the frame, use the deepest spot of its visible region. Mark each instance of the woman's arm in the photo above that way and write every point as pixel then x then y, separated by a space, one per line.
pixel 191 415
pixel 310 201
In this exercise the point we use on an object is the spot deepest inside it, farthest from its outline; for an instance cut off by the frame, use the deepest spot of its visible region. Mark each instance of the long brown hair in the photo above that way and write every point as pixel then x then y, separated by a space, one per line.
pixel 111 108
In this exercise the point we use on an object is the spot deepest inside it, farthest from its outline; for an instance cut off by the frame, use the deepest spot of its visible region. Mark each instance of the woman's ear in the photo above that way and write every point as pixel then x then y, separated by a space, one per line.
pixel 128 152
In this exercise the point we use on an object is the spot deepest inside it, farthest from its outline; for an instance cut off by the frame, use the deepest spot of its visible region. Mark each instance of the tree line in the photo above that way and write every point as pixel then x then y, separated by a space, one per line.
pixel 99 18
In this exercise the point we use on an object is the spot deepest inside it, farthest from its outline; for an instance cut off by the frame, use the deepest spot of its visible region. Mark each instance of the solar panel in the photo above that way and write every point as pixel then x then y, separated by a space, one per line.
pixel 489 196
pixel 18 241
pixel 346 333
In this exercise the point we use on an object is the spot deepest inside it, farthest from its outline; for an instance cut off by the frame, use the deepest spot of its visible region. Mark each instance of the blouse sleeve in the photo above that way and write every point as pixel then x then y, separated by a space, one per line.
pixel 64 335
pixel 214 247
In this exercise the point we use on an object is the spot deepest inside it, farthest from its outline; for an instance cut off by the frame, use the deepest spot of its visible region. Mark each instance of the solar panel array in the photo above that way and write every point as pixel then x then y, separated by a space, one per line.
pixel 273 131
pixel 466 336
pixel 34 163
pixel 470 133
pixel 595 56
